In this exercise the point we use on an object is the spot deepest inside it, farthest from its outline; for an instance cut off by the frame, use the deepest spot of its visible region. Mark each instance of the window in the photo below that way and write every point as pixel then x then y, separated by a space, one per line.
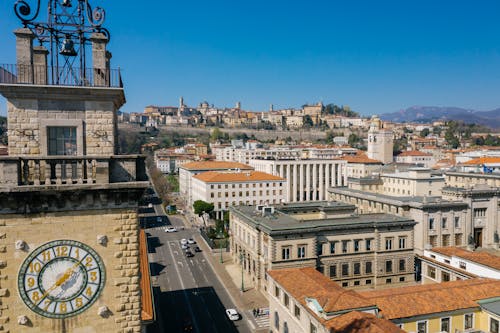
pixel 422 326
pixel 368 267
pixel 357 268
pixel 402 265
pixel 368 282
pixel 433 240
pixel 301 251
pixel 462 265
pixel 444 222
pixel 445 276
pixel 320 249
pixel 312 328
pixel 286 300
pixel 61 140
pixel 479 212
pixel 285 253
pixel 333 271
pixel 458 239
pixel 431 272
pixel 493 325
pixel 344 246
pixel 345 269
pixel 445 324
pixel 276 291
pixel 468 321
pixel 368 244
pixel 356 245
pixel 402 279
pixel 296 311
pixel 356 283
pixel 446 240
pixel 457 222
pixel 285 327
pixel 431 223
pixel 388 266
pixel 345 284
pixel 276 320
pixel 388 281
pixel 402 242
pixel 388 243
pixel 332 247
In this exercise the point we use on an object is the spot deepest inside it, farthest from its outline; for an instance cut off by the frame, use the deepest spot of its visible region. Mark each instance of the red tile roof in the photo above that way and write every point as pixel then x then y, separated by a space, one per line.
pixel 413 153
pixel 482 160
pixel 427 299
pixel 483 258
pixel 361 322
pixel 230 177
pixel 361 159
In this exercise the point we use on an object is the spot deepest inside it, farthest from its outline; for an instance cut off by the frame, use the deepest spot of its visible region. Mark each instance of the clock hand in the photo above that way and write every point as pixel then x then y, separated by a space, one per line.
pixel 61 280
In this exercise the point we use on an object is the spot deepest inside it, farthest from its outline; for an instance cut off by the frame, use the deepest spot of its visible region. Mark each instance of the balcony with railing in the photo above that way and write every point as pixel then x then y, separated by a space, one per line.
pixel 56 171
pixel 11 74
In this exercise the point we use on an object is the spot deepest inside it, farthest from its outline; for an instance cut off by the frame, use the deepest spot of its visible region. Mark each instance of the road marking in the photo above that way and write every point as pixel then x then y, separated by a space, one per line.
pixel 191 260
pixel 180 264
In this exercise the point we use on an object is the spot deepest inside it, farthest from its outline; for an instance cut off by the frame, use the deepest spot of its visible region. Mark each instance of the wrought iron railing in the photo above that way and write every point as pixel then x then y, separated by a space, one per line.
pixel 71 170
pixel 60 76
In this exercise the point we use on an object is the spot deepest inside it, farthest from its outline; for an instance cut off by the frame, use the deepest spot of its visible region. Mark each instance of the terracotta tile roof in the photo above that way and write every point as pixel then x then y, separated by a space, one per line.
pixel 361 322
pixel 147 312
pixel 242 176
pixel 361 159
pixel 413 153
pixel 482 160
pixel 483 258
pixel 308 282
pixel 426 299
pixel 216 165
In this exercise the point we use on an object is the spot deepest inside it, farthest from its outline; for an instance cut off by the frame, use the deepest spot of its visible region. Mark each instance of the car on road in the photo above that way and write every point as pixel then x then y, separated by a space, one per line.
pixel 197 249
pixel 232 314
pixel 159 219
pixel 184 246
pixel 189 254
pixel 170 229
pixel 191 241
pixel 184 241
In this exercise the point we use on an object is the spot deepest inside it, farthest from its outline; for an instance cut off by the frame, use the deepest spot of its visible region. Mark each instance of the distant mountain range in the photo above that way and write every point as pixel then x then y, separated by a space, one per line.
pixel 423 114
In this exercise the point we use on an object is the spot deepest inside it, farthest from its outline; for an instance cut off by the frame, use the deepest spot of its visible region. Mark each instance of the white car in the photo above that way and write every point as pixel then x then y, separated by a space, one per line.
pixel 232 314
pixel 184 241
pixel 191 241
pixel 170 229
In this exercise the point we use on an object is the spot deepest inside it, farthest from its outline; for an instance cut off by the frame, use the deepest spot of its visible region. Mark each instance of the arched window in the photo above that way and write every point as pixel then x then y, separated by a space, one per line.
pixel 276 320
pixel 285 327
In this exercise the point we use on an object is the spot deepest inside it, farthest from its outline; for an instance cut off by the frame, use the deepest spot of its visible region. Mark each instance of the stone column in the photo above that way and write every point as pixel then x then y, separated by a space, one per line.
pixel 288 183
pixel 99 59
pixel 301 186
pixel 24 55
pixel 40 65
pixel 321 182
pixel 308 182
pixel 315 180
pixel 294 191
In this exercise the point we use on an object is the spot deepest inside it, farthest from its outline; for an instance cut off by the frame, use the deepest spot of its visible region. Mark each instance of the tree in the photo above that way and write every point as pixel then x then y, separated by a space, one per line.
pixel 200 206
pixel 353 140
pixel 216 134
pixel 424 132
pixel 308 122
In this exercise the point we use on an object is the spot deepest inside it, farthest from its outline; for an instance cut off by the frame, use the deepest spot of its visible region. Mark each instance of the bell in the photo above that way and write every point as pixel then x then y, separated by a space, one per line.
pixel 67 48
pixel 66 3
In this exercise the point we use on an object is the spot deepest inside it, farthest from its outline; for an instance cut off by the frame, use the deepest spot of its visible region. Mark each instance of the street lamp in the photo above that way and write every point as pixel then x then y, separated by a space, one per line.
pixel 242 284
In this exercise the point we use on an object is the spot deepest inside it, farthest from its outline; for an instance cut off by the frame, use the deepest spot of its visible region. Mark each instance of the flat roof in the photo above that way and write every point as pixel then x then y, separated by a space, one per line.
pixel 483 258
pixel 284 223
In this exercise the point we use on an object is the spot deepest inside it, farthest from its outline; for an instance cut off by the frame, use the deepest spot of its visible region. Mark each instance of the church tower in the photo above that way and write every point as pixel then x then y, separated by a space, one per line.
pixel 69 232
pixel 380 142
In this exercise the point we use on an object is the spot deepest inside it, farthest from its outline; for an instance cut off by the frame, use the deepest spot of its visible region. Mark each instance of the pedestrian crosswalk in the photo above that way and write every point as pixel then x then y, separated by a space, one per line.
pixel 262 321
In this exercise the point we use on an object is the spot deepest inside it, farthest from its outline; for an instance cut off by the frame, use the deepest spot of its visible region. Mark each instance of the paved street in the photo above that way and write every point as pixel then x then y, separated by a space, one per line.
pixel 187 291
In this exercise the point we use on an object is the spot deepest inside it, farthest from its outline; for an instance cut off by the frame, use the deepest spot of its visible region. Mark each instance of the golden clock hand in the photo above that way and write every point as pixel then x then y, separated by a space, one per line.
pixel 61 280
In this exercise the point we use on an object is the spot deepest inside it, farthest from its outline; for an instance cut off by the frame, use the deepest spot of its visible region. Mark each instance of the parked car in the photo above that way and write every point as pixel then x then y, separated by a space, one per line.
pixel 189 254
pixel 184 241
pixel 232 314
pixel 170 229
pixel 184 246
pixel 197 249
pixel 191 241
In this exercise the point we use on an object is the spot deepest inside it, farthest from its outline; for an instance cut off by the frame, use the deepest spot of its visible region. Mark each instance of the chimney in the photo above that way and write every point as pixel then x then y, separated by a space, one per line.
pixel 40 65
pixel 100 59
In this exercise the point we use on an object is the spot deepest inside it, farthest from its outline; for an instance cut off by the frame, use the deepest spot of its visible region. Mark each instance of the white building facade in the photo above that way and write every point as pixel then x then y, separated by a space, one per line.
pixel 308 180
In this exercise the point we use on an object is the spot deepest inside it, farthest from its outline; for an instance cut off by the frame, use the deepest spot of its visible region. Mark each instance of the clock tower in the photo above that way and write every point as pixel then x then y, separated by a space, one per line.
pixel 69 233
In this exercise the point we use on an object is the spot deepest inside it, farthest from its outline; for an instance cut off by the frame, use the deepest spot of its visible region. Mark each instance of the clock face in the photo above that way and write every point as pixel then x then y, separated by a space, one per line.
pixel 61 278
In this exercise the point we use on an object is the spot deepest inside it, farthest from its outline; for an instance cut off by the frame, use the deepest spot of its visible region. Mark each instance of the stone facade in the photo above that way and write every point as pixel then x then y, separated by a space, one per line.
pixel 121 293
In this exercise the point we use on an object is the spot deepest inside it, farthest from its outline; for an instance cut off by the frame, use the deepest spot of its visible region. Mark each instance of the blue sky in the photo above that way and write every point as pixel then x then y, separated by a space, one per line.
pixel 375 56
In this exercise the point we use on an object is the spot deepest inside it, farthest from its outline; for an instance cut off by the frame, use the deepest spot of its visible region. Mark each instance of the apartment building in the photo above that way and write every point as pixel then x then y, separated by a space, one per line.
pixel 456 306
pixel 416 157
pixel 307 179
pixel 304 300
pixel 443 264
pixel 188 170
pixel 359 251
pixel 359 166
pixel 231 188
pixel 414 182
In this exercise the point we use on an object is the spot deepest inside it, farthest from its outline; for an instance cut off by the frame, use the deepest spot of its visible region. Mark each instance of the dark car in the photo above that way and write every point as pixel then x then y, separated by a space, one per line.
pixel 197 249
pixel 189 254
